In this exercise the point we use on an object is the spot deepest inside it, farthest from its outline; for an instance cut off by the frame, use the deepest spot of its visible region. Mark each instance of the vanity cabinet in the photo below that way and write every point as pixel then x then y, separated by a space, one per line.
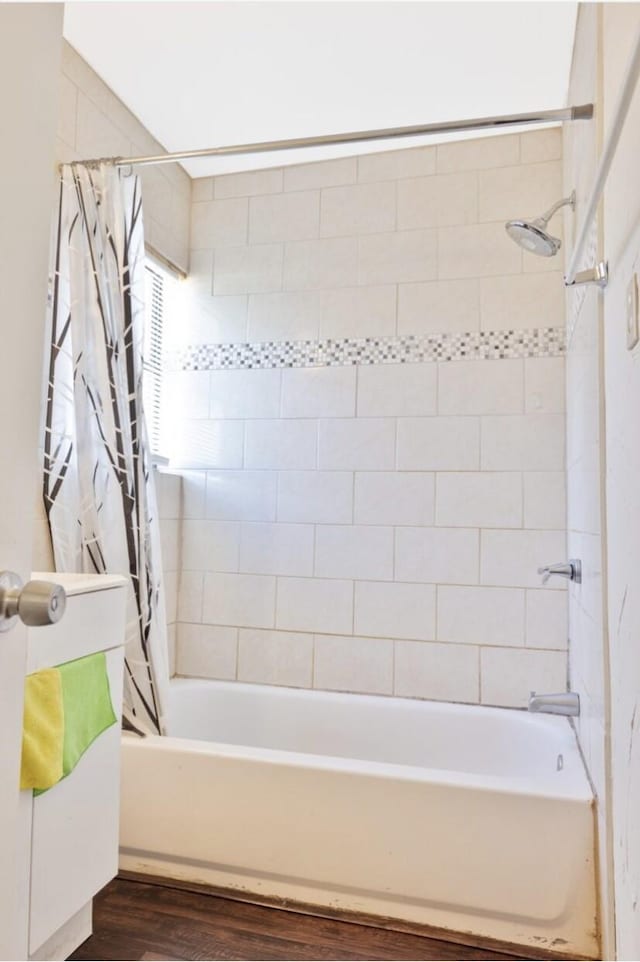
pixel 74 825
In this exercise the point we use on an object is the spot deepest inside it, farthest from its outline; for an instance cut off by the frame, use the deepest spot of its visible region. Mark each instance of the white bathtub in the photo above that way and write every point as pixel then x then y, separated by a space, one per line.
pixel 473 820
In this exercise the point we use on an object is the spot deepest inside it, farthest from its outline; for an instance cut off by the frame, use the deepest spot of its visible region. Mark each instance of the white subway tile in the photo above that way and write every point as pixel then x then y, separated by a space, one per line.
pixel 190 589
pixel 532 442
pixel 358 209
pixel 312 392
pixel 241 495
pixel 439 201
pixel 244 394
pixel 512 558
pixel 547 624
pixel 357 444
pixel 247 270
pixel 170 544
pixel 353 664
pixel 480 153
pixel 481 616
pixel 438 444
pixel 484 499
pixel 477 250
pixel 510 192
pixel 439 306
pixel 522 301
pixel 409 255
pixel 208 444
pixel 168 493
pixel 403 390
pixel 540 145
pixel 318 264
pixel 508 676
pixel 394 497
pixel 545 500
pixel 285 316
pixel 215 223
pixel 544 385
pixel 440 672
pixel 172 633
pixel 359 312
pixel 96 134
pixel 248 183
pixel 437 555
pixel 283 217
pixel 210 546
pixel 480 387
pixel 205 651
pixel 239 599
pixel 354 551
pixel 201 189
pixel 170 581
pixel 276 549
pixel 314 604
pixel 322 497
pixel 187 393
pixel 394 164
pixel 325 173
pixel 281 444
pixel 275 658
pixel 214 320
pixel 395 610
pixel 194 494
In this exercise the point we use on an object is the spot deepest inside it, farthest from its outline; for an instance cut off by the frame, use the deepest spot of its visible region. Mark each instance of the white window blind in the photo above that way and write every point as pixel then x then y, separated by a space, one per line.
pixel 152 355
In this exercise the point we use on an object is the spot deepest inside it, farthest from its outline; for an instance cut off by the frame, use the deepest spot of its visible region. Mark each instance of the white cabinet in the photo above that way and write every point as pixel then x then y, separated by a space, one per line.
pixel 74 830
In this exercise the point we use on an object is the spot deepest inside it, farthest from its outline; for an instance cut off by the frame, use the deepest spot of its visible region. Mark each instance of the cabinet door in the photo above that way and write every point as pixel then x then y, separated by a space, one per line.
pixel 75 828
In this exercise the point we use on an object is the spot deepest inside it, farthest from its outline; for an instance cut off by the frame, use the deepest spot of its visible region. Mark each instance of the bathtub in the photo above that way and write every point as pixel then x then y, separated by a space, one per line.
pixel 466 819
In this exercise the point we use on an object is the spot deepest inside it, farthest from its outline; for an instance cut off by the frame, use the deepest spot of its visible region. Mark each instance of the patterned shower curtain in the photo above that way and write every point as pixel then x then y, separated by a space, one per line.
pixel 98 487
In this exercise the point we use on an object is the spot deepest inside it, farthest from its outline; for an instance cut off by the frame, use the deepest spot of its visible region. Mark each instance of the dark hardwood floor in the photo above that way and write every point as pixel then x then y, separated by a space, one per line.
pixel 140 921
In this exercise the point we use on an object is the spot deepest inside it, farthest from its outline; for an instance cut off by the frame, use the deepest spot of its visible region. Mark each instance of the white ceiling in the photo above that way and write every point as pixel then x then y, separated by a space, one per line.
pixel 201 74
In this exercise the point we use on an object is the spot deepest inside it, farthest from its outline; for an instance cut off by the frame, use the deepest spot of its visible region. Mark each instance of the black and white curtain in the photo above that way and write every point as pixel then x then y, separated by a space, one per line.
pixel 98 487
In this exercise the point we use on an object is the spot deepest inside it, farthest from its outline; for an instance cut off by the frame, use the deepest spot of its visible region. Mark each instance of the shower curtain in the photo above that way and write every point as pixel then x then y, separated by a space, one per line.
pixel 98 486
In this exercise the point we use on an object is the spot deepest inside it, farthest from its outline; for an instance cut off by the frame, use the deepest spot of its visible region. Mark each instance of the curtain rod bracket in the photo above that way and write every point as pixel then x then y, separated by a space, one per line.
pixel 598 275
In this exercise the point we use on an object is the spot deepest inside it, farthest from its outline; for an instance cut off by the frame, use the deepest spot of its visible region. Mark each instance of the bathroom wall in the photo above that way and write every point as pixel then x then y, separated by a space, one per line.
pixel 586 534
pixel 620 27
pixel 369 420
pixel 93 122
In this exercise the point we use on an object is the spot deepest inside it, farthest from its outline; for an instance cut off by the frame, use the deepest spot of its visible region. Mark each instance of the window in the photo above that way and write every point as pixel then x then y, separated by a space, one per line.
pixel 157 281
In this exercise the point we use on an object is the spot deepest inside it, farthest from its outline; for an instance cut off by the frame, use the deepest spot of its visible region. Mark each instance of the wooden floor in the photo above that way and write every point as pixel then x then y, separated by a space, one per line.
pixel 138 921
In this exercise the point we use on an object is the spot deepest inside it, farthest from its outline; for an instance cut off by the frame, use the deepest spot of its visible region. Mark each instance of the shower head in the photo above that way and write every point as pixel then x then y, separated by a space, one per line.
pixel 533 236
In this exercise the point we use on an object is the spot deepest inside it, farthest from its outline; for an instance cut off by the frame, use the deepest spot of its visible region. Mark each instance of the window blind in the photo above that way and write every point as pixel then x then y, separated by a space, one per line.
pixel 152 355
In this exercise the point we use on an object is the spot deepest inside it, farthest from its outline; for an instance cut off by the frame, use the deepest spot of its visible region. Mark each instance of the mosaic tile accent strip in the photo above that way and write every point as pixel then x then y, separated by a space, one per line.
pixel 409 349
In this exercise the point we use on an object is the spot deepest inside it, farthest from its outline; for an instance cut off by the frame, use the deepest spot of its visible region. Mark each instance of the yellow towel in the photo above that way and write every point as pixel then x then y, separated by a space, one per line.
pixel 43 733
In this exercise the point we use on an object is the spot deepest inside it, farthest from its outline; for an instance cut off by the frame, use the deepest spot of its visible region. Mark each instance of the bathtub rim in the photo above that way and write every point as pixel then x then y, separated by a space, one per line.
pixel 507 785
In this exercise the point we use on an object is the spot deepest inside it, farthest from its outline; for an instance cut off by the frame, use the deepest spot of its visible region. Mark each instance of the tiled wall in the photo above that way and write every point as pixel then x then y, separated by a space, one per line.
pixel 93 122
pixel 365 524
pixel 585 456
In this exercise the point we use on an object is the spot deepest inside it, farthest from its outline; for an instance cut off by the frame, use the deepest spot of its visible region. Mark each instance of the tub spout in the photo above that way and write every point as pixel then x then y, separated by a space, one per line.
pixel 564 703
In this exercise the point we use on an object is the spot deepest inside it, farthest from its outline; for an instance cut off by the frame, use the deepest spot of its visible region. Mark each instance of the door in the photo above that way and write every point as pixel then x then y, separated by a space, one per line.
pixel 30 48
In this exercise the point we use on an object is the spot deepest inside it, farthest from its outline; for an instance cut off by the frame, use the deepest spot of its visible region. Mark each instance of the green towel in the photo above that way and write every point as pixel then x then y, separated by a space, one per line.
pixel 87 708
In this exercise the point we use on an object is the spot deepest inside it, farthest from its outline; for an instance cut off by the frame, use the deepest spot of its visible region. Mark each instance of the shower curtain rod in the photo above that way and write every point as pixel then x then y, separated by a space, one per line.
pixel 582 112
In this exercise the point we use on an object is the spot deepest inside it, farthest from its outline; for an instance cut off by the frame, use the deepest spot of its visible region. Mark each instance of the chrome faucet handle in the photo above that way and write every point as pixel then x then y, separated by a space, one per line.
pixel 572 570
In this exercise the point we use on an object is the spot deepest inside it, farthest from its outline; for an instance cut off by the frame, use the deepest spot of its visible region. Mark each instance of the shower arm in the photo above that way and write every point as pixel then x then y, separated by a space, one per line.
pixel 569 201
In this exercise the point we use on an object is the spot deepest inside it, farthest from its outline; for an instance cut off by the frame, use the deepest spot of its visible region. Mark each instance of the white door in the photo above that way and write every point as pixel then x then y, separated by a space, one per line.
pixel 30 47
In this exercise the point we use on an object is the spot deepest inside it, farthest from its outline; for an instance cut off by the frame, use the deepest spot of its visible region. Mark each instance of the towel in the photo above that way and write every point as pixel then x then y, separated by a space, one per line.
pixel 87 706
pixel 66 708
pixel 43 730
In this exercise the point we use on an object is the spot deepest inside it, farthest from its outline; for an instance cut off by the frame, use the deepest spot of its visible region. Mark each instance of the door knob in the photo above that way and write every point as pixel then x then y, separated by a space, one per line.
pixel 36 603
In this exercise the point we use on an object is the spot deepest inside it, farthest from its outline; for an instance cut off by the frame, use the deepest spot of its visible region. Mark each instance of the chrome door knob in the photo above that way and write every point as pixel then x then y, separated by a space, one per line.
pixel 37 603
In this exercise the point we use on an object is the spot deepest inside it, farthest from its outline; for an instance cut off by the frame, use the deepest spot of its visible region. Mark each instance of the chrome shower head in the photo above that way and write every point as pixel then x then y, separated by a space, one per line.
pixel 533 236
